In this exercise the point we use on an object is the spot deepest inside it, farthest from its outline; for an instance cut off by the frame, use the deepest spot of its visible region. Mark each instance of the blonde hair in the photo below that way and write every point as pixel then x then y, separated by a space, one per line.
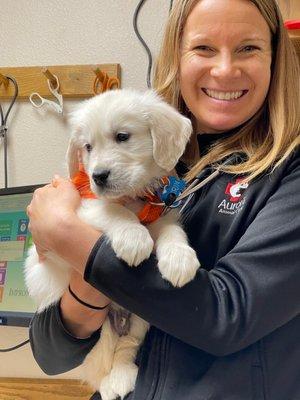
pixel 270 135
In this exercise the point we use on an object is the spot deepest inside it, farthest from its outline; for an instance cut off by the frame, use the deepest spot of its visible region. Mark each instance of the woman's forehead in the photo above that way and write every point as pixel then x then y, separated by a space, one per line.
pixel 236 32
pixel 234 17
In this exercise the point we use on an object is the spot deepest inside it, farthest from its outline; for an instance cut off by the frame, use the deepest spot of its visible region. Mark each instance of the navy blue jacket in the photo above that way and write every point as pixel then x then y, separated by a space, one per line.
pixel 230 334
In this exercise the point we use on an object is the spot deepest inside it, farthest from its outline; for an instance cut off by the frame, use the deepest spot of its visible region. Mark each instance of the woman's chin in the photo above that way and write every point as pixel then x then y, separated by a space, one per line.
pixel 217 128
pixel 219 125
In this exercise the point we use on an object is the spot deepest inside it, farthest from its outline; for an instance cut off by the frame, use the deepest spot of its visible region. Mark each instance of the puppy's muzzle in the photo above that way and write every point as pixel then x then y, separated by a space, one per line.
pixel 100 177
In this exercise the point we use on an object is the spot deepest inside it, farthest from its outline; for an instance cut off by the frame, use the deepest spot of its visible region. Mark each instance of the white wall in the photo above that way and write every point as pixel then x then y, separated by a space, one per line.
pixel 55 32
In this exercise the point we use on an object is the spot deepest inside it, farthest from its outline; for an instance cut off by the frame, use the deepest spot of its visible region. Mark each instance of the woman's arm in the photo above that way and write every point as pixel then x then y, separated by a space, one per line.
pixel 80 320
pixel 54 348
pixel 250 292
pixel 62 335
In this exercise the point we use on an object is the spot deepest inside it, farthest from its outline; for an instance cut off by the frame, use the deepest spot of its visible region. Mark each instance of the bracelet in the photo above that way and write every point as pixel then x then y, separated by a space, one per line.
pixel 84 303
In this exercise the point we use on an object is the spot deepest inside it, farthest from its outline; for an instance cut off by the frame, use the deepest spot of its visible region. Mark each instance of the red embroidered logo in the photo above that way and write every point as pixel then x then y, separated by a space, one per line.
pixel 235 190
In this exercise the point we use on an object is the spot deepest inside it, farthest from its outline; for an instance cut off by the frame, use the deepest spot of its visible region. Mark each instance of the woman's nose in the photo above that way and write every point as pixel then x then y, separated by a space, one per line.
pixel 225 67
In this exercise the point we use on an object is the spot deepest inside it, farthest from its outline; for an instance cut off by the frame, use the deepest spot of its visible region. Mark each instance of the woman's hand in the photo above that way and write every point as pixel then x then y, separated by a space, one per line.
pixel 50 207
pixel 55 226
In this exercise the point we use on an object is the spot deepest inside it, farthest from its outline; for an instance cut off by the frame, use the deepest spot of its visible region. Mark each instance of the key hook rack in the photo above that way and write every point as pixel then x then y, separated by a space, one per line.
pixel 76 81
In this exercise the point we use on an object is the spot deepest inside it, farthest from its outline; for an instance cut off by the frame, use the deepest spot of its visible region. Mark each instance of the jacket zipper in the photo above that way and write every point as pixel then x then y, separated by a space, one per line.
pixel 162 370
pixel 165 367
pixel 157 367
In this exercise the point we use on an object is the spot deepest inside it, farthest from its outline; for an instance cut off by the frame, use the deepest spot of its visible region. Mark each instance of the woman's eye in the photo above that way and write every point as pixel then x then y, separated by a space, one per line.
pixel 249 49
pixel 88 147
pixel 203 48
pixel 122 136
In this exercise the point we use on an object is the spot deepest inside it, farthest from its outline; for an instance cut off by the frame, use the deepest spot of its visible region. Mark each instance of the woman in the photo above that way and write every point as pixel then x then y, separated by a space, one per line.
pixel 231 333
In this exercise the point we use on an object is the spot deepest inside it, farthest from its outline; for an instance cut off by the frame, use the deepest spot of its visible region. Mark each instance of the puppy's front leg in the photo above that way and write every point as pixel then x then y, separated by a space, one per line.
pixel 130 240
pixel 177 261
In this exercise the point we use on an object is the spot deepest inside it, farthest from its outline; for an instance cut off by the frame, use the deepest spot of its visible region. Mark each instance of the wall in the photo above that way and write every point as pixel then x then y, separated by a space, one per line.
pixel 53 32
pixel 41 32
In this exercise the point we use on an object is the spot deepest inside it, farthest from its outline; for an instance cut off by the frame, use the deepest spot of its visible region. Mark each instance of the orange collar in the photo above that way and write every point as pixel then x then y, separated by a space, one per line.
pixel 148 214
pixel 151 212
pixel 82 184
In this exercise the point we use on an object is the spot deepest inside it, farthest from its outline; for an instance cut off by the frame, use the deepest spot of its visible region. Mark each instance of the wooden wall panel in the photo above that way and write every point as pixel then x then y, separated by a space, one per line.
pixel 76 81
pixel 43 389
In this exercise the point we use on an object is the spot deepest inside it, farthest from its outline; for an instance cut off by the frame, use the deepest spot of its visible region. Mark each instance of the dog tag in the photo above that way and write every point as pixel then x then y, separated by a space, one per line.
pixel 120 321
pixel 171 191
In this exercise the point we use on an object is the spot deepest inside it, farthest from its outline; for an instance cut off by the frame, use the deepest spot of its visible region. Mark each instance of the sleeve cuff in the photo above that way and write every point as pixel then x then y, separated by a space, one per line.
pixel 59 320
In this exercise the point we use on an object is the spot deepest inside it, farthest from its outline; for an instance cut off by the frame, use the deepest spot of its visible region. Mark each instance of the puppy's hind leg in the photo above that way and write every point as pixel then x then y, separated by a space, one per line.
pixel 124 372
pixel 98 363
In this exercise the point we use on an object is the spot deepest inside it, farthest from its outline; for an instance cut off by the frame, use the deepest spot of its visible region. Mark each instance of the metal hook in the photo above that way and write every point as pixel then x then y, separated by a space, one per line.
pixel 4 80
pixel 52 78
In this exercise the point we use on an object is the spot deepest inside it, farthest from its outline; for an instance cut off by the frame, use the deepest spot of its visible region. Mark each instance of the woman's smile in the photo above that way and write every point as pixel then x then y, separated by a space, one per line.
pixel 219 95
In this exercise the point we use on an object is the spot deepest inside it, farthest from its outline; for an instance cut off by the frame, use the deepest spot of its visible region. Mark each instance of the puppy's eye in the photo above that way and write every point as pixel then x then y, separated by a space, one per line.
pixel 122 136
pixel 88 147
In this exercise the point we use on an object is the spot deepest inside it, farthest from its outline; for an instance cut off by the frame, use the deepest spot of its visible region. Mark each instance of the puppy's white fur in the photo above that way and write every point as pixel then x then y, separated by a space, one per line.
pixel 158 136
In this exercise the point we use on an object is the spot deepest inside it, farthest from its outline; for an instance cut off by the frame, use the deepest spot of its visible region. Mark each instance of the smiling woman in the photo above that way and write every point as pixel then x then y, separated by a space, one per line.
pixel 228 64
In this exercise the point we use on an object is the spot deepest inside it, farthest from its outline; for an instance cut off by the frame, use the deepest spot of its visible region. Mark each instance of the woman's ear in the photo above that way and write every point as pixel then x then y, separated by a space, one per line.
pixel 170 134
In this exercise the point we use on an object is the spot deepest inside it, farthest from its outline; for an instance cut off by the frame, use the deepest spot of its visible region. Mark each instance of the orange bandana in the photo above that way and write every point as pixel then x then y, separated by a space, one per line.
pixel 149 213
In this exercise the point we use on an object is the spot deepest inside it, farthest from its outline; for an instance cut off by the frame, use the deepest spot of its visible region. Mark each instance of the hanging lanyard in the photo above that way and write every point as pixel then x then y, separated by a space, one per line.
pixel 189 190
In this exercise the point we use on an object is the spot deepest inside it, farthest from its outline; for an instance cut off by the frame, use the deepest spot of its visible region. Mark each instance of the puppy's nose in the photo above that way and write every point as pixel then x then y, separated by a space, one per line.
pixel 100 177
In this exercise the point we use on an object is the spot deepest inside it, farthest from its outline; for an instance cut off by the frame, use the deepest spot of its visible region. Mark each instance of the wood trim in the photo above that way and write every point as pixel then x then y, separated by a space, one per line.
pixel 46 389
pixel 76 81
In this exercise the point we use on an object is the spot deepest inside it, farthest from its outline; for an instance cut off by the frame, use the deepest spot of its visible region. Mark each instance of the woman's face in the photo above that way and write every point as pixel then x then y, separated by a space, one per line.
pixel 225 63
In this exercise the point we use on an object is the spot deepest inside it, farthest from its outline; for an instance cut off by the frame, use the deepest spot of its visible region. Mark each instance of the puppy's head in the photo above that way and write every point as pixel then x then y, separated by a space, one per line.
pixel 126 140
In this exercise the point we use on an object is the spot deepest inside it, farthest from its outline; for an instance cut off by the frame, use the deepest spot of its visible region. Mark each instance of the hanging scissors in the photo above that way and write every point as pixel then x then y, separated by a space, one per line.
pixel 57 106
pixel 103 82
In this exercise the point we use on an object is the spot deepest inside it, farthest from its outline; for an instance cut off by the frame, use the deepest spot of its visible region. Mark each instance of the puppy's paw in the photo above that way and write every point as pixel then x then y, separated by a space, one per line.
pixel 122 378
pixel 106 391
pixel 178 263
pixel 133 245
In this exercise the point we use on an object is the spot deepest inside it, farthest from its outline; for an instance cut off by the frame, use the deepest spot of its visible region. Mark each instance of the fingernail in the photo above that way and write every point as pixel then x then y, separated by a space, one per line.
pixel 56 176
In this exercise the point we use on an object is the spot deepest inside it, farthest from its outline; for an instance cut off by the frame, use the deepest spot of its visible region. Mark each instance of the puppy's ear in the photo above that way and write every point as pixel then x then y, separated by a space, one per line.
pixel 72 157
pixel 170 134
pixel 75 120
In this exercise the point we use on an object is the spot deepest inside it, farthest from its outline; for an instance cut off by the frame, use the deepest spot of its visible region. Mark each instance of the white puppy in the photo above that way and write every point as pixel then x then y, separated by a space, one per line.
pixel 127 141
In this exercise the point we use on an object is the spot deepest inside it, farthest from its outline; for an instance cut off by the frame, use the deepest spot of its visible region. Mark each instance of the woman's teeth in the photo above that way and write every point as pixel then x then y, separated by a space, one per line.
pixel 223 95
